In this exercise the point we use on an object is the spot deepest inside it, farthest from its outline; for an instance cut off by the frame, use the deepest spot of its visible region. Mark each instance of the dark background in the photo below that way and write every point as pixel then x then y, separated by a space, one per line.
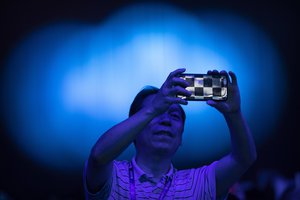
pixel 22 178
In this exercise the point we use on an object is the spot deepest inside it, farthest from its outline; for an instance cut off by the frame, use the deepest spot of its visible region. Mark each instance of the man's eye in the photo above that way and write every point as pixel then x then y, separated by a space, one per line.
pixel 175 116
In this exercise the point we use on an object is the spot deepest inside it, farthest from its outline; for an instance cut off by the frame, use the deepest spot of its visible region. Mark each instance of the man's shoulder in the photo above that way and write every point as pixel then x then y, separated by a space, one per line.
pixel 195 180
pixel 185 173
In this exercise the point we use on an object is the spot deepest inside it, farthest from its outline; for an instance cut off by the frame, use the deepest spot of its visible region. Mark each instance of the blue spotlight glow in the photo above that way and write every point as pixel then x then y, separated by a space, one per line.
pixel 67 84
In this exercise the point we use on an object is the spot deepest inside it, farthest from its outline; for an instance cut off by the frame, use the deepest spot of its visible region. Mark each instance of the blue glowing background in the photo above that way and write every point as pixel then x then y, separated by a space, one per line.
pixel 66 84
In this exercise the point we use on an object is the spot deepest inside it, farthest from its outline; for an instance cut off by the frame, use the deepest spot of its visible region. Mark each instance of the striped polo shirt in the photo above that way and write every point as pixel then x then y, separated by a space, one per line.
pixel 189 184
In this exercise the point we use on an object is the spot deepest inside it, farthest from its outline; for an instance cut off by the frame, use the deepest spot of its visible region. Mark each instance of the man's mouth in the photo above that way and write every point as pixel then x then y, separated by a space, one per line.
pixel 167 133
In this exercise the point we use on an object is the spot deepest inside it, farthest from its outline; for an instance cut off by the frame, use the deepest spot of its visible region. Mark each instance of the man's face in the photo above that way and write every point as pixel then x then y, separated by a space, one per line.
pixel 164 133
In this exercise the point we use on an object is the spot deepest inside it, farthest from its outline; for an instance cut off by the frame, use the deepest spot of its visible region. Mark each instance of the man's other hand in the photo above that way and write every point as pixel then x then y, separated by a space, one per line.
pixel 233 102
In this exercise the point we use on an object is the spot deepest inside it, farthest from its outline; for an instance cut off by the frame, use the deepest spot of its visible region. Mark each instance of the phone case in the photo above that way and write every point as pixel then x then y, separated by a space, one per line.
pixel 205 87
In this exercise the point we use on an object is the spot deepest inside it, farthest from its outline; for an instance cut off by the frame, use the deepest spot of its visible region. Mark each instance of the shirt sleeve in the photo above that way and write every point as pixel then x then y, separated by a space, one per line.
pixel 206 182
pixel 102 194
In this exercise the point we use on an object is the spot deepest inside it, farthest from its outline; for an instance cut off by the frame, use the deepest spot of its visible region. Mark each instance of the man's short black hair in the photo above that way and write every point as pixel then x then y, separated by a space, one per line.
pixel 140 97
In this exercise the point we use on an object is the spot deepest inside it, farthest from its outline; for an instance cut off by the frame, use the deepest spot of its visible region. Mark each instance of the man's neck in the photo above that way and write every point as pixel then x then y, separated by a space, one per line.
pixel 153 165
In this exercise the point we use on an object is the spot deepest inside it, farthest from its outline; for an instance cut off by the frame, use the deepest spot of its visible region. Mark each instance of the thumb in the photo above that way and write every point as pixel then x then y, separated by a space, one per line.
pixel 211 103
pixel 220 106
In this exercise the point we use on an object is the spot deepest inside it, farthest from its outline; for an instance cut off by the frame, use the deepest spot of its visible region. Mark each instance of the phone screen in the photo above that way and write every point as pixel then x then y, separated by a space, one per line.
pixel 206 87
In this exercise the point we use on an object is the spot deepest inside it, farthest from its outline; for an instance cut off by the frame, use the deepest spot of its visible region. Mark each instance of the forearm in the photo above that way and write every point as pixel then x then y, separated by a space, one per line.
pixel 119 137
pixel 242 142
pixel 110 145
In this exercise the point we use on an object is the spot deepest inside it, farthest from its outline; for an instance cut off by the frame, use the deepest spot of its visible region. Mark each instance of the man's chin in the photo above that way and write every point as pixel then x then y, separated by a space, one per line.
pixel 163 147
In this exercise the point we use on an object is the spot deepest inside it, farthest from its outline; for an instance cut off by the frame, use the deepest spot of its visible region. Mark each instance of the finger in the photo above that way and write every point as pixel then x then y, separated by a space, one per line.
pixel 233 78
pixel 224 73
pixel 179 81
pixel 171 75
pixel 177 100
pixel 176 72
pixel 215 72
pixel 211 103
pixel 218 105
pixel 177 90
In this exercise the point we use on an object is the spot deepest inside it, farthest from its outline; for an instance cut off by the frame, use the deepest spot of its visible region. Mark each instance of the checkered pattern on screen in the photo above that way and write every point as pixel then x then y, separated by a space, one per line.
pixel 205 87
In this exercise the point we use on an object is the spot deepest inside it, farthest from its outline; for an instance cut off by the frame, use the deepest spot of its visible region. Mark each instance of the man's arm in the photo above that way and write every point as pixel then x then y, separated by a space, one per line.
pixel 243 152
pixel 118 138
pixel 110 145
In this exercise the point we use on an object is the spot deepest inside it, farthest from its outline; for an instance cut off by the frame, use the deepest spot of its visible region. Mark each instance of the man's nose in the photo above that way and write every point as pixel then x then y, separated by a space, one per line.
pixel 165 120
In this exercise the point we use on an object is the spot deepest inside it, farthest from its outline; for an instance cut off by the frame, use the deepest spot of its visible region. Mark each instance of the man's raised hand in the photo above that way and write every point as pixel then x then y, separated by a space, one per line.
pixel 233 102
pixel 169 91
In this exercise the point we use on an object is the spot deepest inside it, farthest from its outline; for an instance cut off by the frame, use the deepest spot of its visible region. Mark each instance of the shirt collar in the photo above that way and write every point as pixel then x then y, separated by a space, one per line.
pixel 139 172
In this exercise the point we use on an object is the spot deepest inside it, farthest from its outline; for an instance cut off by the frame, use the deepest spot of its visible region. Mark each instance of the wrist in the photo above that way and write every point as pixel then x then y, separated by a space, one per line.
pixel 149 111
pixel 233 114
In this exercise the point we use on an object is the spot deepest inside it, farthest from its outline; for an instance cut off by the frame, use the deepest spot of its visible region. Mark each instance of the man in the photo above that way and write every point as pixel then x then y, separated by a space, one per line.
pixel 155 125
